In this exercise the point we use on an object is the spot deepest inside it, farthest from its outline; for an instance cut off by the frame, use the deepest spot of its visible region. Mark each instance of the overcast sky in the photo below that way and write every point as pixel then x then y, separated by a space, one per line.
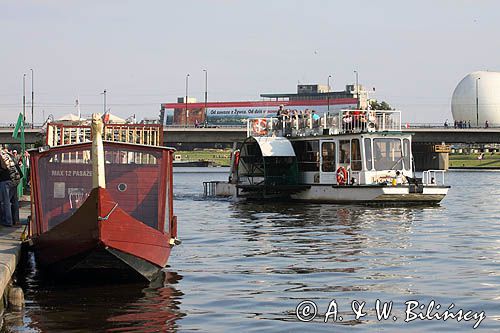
pixel 413 53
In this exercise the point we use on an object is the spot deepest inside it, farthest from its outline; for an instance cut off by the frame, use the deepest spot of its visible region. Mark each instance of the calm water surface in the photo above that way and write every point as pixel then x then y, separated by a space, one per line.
pixel 246 267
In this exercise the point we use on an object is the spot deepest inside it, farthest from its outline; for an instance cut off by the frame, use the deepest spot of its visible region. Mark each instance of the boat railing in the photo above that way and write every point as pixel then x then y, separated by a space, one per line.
pixel 354 177
pixel 146 134
pixel 433 177
pixel 310 124
pixel 210 188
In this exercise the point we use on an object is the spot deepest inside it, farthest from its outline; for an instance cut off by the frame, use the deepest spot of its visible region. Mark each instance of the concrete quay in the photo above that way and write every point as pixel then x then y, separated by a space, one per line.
pixel 10 251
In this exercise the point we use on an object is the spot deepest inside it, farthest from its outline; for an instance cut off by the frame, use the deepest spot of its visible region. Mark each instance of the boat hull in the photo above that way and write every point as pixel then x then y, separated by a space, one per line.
pixel 103 240
pixel 361 194
pixel 372 194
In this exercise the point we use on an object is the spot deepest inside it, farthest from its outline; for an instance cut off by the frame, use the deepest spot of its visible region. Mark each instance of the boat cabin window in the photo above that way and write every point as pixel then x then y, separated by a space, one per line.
pixel 407 154
pixel 328 156
pixel 355 155
pixel 387 154
pixel 307 153
pixel 368 154
pixel 345 151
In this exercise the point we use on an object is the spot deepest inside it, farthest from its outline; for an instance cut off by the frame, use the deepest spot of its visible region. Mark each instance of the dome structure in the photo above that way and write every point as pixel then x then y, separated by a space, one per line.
pixel 483 86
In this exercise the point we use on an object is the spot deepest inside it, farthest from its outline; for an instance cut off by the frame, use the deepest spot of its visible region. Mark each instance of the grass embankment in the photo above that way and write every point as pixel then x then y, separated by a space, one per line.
pixel 489 160
pixel 218 157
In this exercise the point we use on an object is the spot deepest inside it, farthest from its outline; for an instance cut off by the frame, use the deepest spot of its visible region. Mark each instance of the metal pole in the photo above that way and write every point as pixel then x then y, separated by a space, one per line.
pixel 32 99
pixel 186 101
pixel 328 95
pixel 477 103
pixel 20 188
pixel 24 98
pixel 357 90
pixel 206 95
pixel 104 93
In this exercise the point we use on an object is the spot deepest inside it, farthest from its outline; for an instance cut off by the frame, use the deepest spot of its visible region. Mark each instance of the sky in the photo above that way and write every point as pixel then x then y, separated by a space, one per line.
pixel 413 52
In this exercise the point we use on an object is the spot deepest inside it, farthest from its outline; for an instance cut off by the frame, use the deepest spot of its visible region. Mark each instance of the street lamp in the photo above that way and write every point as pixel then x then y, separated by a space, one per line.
pixel 104 101
pixel 24 99
pixel 477 102
pixel 206 94
pixel 328 96
pixel 32 99
pixel 186 101
pixel 357 90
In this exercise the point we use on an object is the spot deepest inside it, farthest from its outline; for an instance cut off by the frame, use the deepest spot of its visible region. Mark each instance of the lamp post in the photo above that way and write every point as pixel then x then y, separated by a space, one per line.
pixel 206 94
pixel 328 95
pixel 32 99
pixel 357 90
pixel 477 102
pixel 24 99
pixel 186 101
pixel 104 103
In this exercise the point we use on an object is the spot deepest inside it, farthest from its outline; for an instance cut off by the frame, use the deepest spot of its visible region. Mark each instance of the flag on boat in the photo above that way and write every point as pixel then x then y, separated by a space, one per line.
pixel 19 126
pixel 105 117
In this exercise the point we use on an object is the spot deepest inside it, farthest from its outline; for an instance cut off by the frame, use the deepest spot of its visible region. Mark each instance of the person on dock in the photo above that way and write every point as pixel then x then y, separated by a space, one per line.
pixel 10 178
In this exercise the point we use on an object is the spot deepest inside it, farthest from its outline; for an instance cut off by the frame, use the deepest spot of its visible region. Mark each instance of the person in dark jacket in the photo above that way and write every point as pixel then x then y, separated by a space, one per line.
pixel 10 178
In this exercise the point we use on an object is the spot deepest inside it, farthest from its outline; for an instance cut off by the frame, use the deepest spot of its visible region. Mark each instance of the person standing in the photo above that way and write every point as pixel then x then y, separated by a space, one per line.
pixel 26 162
pixel 10 178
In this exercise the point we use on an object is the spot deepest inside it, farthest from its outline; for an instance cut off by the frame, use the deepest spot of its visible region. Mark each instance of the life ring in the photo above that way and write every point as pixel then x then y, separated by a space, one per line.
pixel 341 176
pixel 260 126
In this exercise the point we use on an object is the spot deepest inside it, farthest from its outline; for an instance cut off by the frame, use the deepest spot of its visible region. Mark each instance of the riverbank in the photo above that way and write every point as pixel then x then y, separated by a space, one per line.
pixel 215 157
pixel 475 161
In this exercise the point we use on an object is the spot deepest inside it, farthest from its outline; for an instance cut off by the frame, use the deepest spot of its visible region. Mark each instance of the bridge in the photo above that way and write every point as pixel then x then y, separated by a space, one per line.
pixel 226 135
pixel 186 138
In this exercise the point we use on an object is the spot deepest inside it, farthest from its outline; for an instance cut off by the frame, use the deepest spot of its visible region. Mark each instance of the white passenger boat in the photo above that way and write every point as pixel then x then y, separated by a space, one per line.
pixel 355 156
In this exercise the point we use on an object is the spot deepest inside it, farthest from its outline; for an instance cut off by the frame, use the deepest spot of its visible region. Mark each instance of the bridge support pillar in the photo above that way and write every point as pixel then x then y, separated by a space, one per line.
pixel 427 156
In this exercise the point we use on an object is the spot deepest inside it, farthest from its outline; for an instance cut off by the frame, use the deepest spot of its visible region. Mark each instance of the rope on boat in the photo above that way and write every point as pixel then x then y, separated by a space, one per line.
pixel 99 218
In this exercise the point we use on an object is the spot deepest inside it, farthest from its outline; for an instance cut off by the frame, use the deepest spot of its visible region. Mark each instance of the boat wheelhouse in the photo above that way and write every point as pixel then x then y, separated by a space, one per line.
pixel 102 207
pixel 352 156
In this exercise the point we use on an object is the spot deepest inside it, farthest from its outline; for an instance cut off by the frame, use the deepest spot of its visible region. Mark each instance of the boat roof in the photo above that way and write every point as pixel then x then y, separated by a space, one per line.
pixel 89 143
pixel 275 146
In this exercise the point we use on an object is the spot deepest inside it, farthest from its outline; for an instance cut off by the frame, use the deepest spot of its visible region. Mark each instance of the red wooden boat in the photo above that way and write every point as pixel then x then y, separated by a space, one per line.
pixel 121 227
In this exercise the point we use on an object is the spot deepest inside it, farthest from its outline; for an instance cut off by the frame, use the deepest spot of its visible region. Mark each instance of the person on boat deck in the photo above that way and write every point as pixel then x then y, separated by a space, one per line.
pixel 400 178
pixel 10 177
pixel 315 118
pixel 280 112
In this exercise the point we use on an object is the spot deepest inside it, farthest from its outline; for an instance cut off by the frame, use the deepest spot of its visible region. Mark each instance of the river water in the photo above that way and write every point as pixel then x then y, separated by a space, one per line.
pixel 245 267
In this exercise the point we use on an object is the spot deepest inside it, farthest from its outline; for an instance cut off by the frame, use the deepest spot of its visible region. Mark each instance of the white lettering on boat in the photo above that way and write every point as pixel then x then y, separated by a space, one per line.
pixel 71 173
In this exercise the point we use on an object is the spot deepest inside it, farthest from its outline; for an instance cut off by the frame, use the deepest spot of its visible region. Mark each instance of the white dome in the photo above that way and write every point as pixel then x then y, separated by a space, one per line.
pixel 463 101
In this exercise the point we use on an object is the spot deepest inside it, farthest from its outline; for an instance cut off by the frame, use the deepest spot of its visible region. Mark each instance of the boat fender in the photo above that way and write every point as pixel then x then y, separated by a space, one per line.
pixel 341 176
pixel 175 241
pixel 260 126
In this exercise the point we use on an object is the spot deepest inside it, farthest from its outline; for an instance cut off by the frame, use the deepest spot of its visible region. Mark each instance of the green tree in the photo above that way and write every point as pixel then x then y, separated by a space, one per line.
pixel 375 105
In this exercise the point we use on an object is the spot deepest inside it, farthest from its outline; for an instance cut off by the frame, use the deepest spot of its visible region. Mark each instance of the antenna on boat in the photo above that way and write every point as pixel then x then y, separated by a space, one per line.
pixel 98 176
